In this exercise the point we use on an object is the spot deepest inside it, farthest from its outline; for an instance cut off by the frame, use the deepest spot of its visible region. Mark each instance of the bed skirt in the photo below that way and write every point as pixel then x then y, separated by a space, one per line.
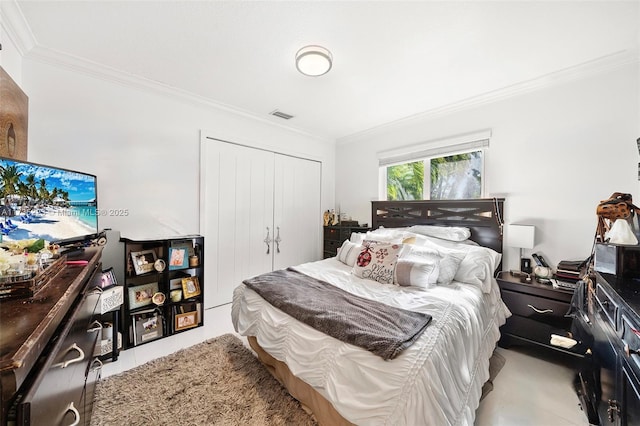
pixel 310 399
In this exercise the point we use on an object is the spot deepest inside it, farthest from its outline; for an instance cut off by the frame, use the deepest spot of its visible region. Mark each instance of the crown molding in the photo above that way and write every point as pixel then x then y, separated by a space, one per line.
pixel 16 27
pixel 586 69
pixel 96 70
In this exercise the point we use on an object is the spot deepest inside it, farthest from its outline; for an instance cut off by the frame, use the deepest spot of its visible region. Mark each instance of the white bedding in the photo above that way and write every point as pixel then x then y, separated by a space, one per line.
pixel 436 381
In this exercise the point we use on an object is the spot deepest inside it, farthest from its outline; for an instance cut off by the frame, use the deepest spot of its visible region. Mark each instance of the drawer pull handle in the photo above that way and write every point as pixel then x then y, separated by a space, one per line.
pixel 628 351
pixel 94 326
pixel 541 311
pixel 74 360
pixel 95 367
pixel 76 414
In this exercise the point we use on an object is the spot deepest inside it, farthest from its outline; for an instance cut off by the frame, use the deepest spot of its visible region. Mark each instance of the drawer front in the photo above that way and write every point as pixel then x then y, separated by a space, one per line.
pixel 608 306
pixel 332 247
pixel 537 308
pixel 58 396
pixel 630 332
pixel 332 234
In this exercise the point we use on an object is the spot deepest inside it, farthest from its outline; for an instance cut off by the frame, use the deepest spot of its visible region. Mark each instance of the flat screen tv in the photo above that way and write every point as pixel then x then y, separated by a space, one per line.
pixel 51 203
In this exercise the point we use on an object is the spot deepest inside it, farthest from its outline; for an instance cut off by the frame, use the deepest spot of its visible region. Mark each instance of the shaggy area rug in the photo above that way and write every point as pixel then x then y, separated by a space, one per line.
pixel 218 382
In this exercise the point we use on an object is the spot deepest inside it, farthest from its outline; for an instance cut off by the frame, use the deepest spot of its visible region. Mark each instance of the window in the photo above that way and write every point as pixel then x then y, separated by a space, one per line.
pixel 444 173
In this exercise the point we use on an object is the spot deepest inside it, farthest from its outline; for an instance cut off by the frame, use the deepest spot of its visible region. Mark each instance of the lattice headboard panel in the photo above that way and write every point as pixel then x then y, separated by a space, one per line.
pixel 482 216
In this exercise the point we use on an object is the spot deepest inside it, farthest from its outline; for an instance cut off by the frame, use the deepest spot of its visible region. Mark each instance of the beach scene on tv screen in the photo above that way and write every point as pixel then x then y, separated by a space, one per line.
pixel 45 202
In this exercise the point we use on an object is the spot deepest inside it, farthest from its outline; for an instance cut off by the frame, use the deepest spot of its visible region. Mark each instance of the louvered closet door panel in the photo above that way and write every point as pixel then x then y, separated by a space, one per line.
pixel 237 208
pixel 297 211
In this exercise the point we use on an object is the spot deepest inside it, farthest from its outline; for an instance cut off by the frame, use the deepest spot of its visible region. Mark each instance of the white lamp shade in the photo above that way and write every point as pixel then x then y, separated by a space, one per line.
pixel 522 236
pixel 314 61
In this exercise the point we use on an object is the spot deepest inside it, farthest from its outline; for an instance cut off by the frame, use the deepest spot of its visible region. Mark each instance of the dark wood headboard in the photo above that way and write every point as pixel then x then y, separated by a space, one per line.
pixel 482 216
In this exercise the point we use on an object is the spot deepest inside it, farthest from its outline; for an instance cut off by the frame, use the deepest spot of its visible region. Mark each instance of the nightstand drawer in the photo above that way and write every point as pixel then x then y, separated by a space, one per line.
pixel 537 308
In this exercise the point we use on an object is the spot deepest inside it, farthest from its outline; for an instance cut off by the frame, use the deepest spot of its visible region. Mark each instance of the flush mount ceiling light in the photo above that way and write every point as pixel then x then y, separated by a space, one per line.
pixel 313 61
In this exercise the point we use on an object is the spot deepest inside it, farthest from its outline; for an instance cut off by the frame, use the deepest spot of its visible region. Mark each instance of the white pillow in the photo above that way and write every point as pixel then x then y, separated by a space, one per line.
pixel 448 263
pixel 451 233
pixel 417 272
pixel 477 266
pixel 348 253
pixel 377 261
pixel 390 235
pixel 357 237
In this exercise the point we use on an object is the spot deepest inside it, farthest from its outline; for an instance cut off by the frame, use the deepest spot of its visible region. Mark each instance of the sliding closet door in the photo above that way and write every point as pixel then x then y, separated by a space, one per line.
pixel 297 211
pixel 236 214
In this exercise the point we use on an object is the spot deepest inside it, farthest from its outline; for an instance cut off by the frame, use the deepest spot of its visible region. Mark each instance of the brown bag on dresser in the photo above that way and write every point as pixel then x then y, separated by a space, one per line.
pixel 618 206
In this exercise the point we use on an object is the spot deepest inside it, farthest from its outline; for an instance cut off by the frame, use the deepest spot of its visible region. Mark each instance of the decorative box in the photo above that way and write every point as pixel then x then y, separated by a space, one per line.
pixel 105 346
pixel 111 299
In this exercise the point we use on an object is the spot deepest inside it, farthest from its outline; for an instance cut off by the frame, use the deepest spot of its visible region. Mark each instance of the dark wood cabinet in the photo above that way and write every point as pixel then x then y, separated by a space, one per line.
pixel 334 236
pixel 538 312
pixel 163 288
pixel 609 386
pixel 47 368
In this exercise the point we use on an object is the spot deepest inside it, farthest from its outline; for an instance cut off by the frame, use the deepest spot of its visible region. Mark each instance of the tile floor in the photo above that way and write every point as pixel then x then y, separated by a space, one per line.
pixel 531 389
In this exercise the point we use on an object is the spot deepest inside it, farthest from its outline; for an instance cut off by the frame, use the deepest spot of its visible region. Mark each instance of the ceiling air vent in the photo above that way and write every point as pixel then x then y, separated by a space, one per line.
pixel 281 114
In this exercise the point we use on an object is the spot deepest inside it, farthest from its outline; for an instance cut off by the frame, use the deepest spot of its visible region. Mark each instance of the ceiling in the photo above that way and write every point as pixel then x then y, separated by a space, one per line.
pixel 392 59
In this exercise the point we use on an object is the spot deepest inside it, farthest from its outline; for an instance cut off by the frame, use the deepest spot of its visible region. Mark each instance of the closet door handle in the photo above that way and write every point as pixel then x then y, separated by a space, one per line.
pixel 541 311
pixel 277 240
pixel 267 241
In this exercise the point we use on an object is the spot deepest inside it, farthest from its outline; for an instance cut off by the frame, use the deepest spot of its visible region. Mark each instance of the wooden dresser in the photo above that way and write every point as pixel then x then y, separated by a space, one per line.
pixel 609 386
pixel 47 368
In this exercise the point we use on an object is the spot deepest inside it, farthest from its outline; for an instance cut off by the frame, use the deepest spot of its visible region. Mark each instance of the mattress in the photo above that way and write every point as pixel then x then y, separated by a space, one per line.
pixel 438 380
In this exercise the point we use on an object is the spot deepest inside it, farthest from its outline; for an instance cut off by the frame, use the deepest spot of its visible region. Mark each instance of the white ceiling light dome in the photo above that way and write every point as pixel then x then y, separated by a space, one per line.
pixel 314 61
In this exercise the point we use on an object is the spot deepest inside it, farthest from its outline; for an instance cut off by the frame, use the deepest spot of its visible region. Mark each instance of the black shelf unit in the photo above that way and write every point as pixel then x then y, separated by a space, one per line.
pixel 156 269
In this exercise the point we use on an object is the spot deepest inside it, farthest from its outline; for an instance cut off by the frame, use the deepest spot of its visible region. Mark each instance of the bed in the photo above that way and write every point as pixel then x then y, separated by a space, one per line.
pixel 438 378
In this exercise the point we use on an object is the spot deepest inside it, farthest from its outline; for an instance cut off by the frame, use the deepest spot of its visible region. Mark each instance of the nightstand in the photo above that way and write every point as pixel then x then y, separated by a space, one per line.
pixel 334 236
pixel 538 312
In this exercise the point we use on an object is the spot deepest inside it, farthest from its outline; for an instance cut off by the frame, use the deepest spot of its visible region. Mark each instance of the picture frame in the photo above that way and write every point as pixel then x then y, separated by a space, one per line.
pixel 108 278
pixel 178 258
pixel 14 118
pixel 190 287
pixel 141 295
pixel 143 261
pixel 185 321
pixel 176 283
pixel 147 326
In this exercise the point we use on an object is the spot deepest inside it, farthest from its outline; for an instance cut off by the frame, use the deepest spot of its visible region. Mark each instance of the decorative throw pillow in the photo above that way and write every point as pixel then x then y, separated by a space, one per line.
pixel 348 253
pixel 417 272
pixel 377 261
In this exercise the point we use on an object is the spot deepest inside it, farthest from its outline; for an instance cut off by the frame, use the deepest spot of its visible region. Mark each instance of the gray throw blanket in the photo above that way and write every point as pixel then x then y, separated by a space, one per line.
pixel 382 329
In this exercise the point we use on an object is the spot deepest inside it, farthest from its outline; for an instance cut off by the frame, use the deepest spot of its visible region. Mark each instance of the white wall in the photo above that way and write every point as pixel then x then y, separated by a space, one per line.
pixel 143 145
pixel 554 153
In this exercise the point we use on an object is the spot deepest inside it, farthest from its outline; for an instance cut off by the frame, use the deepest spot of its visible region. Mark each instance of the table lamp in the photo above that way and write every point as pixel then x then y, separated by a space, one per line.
pixel 522 237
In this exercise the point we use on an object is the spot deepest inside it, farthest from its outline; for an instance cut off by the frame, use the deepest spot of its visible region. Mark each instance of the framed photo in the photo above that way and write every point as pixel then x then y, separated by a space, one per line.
pixel 148 326
pixel 14 117
pixel 186 320
pixel 108 278
pixel 176 283
pixel 143 261
pixel 141 295
pixel 190 287
pixel 178 258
